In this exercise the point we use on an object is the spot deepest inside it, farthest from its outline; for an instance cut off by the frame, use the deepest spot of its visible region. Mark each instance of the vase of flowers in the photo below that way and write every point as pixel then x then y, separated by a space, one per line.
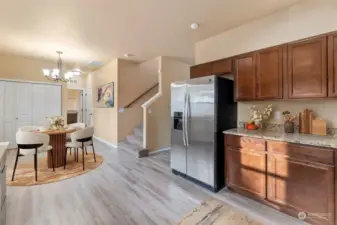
pixel 257 117
pixel 289 124
pixel 56 123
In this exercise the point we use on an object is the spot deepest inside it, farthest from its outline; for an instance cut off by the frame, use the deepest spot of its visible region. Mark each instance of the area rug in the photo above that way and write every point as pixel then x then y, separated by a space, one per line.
pixel 213 212
pixel 25 173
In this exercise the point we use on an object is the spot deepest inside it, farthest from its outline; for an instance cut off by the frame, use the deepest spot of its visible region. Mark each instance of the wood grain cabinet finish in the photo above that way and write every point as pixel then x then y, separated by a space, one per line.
pixel 332 65
pixel 269 73
pixel 246 163
pixel 247 172
pixel 298 185
pixel 222 66
pixel 245 77
pixel 307 68
pixel 201 70
pixel 219 67
pixel 291 178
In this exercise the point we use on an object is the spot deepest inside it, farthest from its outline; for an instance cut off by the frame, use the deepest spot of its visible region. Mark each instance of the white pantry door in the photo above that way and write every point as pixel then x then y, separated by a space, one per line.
pixel 47 103
pixel 24 105
pixel 9 113
pixel 80 103
pixel 2 105
pixel 40 109
pixel 54 100
pixel 88 107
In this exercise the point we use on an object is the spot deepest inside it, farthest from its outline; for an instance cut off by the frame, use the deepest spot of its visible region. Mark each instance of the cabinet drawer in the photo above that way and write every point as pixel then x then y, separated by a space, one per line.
pixel 302 152
pixel 245 142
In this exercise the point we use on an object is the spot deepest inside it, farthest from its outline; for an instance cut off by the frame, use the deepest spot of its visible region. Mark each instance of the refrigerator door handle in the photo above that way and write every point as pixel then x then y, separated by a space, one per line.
pixel 183 117
pixel 187 118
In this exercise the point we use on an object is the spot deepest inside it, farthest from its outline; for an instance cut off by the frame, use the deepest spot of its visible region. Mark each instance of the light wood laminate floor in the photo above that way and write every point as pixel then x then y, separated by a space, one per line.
pixel 122 191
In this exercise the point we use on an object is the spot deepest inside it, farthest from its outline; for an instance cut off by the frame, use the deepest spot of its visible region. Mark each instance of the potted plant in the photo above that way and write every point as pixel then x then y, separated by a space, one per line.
pixel 56 123
pixel 257 118
pixel 289 124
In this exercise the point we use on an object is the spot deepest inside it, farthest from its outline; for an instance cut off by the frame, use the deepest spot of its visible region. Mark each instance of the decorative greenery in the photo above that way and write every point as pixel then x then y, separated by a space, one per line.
pixel 56 122
pixel 257 117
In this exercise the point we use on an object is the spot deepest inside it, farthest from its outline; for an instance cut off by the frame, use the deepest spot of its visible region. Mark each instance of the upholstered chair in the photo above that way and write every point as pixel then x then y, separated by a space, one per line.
pixel 31 143
pixel 81 139
pixel 78 126
pixel 29 128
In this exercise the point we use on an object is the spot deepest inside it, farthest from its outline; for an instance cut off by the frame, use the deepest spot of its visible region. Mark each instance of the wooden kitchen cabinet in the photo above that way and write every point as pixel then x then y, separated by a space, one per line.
pixel 247 172
pixel 332 65
pixel 307 68
pixel 301 179
pixel 269 73
pixel 291 178
pixel 246 166
pixel 201 70
pixel 245 77
pixel 223 66
pixel 219 67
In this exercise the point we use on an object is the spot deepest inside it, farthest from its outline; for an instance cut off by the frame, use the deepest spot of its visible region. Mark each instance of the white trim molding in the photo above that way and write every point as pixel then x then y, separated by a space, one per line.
pixel 159 150
pixel 105 142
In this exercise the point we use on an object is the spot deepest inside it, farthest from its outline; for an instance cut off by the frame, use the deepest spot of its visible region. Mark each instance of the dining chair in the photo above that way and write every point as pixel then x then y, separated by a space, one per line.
pixel 29 128
pixel 31 143
pixel 81 139
pixel 78 126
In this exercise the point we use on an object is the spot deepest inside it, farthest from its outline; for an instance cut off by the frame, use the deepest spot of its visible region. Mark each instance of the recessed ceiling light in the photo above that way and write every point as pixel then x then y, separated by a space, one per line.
pixel 194 26
pixel 127 55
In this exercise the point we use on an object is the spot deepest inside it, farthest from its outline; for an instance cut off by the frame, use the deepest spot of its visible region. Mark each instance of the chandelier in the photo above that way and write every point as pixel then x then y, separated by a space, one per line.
pixel 57 74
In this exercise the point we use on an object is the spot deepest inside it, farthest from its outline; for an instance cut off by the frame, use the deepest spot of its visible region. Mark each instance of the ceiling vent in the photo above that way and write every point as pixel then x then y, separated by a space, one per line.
pixel 95 64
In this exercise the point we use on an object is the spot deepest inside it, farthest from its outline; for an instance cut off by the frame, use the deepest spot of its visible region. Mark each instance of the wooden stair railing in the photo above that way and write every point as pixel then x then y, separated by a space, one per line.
pixel 142 95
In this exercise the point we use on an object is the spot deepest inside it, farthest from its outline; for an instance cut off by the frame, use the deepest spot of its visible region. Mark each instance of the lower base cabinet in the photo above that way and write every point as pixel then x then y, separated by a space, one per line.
pixel 247 172
pixel 289 177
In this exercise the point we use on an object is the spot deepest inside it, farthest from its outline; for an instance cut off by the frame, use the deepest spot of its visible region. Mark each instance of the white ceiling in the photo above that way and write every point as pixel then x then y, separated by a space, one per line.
pixel 104 29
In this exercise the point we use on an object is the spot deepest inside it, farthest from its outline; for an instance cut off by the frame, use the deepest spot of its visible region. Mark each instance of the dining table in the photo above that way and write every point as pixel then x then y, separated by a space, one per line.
pixel 58 140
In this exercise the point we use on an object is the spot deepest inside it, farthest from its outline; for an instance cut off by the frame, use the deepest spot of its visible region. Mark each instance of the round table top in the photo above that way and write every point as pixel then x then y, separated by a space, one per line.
pixel 55 132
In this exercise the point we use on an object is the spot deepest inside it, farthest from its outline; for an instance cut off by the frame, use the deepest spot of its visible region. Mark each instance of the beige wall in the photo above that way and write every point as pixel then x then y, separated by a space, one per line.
pixel 106 119
pixel 158 132
pixel 73 99
pixel 323 109
pixel 309 18
pixel 26 69
pixel 133 80
pixel 306 19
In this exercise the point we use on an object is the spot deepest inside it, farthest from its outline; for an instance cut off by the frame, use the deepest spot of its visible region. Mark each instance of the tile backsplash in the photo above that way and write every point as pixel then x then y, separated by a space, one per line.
pixel 322 108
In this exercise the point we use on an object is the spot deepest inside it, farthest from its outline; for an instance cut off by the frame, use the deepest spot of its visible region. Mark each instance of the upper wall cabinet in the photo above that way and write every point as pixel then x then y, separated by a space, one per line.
pixel 269 73
pixel 222 66
pixel 307 68
pixel 201 70
pixel 332 65
pixel 245 77
pixel 218 67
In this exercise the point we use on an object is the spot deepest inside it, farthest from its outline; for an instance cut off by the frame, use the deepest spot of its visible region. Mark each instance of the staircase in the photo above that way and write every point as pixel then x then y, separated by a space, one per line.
pixel 134 143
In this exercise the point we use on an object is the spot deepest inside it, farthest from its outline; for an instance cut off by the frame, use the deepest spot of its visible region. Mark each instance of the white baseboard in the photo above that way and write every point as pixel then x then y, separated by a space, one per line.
pixel 159 150
pixel 105 142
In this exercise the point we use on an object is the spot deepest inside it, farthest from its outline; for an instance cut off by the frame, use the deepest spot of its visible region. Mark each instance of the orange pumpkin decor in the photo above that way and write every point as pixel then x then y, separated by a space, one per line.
pixel 251 126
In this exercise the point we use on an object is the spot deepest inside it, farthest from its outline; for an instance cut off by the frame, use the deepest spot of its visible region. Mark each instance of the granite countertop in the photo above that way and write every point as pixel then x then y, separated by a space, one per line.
pixel 3 148
pixel 306 139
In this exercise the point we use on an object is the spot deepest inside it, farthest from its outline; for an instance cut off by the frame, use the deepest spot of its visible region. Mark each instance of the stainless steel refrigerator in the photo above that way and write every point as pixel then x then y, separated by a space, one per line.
pixel 201 109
